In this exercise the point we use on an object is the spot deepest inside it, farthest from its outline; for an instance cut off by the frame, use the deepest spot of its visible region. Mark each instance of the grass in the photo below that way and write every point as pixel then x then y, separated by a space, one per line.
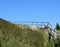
pixel 12 35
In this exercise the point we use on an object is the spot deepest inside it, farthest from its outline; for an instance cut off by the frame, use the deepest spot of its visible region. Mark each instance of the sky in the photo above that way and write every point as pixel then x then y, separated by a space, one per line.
pixel 30 10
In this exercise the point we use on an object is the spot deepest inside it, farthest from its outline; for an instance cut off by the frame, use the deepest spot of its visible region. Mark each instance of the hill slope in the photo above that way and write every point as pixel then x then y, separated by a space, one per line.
pixel 12 35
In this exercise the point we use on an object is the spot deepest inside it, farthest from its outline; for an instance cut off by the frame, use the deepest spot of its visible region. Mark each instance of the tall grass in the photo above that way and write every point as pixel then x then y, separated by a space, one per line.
pixel 16 36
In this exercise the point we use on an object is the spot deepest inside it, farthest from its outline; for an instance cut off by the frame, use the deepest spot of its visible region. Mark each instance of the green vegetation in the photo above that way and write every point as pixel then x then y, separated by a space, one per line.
pixel 12 35
pixel 57 26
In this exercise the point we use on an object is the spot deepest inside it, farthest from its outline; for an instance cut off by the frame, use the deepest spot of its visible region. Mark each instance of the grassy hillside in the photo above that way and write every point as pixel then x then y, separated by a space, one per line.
pixel 12 35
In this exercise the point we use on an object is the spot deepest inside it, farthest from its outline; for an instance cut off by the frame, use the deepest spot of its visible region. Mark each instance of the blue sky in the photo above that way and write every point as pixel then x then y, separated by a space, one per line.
pixel 30 10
